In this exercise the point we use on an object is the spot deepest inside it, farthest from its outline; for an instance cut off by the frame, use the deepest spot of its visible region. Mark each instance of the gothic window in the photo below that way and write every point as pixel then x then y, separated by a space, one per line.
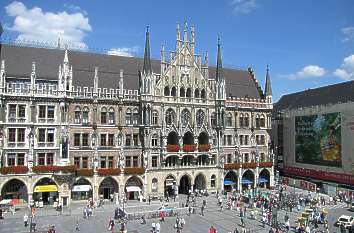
pixel 173 91
pixel 258 121
pixel 203 95
pixel 155 118
pixel 135 117
pixel 185 117
pixel 111 116
pixel 85 115
pixel 196 93
pixel 154 140
pixel 189 93
pixel 262 121
pixel 128 117
pixel 229 120
pixel 182 92
pixel 200 117
pixel 170 117
pixel 241 123
pixel 77 117
pixel 167 91
pixel 103 115
pixel 246 120
pixel 213 119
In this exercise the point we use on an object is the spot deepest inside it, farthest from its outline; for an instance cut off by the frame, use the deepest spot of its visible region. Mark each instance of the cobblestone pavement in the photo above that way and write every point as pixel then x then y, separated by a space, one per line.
pixel 224 221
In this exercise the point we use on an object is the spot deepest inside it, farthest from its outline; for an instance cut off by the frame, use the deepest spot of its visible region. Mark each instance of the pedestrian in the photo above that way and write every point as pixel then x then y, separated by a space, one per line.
pixel 158 227
pixel 202 210
pixel 162 216
pixel 189 210
pixel 149 200
pixel 111 225
pixel 153 227
pixel 77 228
pixel 143 221
pixel 212 230
pixel 25 220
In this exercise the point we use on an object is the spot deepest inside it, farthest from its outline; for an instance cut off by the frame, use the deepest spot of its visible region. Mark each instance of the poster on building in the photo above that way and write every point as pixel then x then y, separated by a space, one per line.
pixel 318 139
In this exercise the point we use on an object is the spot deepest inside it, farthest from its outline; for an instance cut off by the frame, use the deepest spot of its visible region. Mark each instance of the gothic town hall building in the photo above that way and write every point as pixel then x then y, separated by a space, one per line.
pixel 76 125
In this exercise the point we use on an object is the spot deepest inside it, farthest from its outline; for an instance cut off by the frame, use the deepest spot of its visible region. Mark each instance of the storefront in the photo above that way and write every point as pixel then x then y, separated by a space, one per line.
pixel 133 188
pixel 81 192
pixel 45 194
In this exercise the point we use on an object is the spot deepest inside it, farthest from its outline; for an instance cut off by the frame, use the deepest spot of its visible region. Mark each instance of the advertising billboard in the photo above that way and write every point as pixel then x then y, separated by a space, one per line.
pixel 318 139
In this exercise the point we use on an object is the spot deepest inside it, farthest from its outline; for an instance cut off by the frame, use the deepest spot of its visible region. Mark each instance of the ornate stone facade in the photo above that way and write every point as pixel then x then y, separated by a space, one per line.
pixel 176 132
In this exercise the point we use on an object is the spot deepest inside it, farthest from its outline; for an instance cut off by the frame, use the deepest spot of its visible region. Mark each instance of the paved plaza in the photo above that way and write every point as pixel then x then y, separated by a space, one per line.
pixel 224 221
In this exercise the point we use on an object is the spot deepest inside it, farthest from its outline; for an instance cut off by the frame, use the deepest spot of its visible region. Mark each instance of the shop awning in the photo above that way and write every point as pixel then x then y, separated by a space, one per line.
pixel 45 188
pixel 228 182
pixel 246 181
pixel 82 188
pixel 262 180
pixel 5 201
pixel 133 189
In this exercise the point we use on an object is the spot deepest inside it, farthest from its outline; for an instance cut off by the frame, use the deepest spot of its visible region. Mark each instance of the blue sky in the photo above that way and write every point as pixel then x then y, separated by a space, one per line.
pixel 307 43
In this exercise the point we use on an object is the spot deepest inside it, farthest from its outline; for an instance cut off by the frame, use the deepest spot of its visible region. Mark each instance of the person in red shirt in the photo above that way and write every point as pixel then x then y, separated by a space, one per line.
pixel 212 230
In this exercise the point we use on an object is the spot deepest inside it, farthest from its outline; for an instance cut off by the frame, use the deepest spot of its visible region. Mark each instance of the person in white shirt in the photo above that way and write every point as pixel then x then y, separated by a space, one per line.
pixel 158 227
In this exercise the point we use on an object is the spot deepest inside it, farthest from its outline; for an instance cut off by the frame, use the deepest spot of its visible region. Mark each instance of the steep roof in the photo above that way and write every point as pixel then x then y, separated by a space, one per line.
pixel 332 94
pixel 18 61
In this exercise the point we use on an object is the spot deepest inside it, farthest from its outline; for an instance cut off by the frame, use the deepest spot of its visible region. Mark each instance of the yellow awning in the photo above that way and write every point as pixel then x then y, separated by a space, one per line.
pixel 45 188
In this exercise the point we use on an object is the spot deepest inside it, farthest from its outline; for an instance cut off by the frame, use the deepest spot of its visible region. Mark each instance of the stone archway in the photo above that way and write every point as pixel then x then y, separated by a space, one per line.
pixel 133 188
pixel 81 190
pixel 16 190
pixel 184 184
pixel 230 181
pixel 200 182
pixel 247 180
pixel 45 191
pixel 264 178
pixel 170 186
pixel 108 187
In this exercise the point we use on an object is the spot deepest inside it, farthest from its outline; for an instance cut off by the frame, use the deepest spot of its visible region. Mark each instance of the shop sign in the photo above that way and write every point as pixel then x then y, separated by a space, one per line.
pixel 45 188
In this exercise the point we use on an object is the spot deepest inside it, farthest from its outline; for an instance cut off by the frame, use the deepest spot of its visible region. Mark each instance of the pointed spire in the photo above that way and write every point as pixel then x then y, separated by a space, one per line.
pixel 147 61
pixel 95 80
pixel 33 74
pixel 219 75
pixel 178 37
pixel 185 33
pixel 162 53
pixel 66 59
pixel 206 59
pixel 268 86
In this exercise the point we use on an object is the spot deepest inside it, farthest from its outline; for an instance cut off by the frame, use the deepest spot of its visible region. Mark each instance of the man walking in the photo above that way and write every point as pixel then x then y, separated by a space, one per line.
pixel 25 220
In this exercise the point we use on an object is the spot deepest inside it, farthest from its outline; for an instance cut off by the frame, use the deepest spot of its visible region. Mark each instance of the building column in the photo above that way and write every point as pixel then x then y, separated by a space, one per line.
pixel 239 178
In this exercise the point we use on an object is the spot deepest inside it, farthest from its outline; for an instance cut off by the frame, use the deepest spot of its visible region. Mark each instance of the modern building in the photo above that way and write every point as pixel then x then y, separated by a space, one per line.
pixel 313 133
pixel 76 124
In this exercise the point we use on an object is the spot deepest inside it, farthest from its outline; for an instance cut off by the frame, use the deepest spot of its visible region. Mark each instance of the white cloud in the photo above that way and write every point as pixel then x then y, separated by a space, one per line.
pixel 310 71
pixel 244 6
pixel 36 25
pixel 348 34
pixel 346 70
pixel 124 51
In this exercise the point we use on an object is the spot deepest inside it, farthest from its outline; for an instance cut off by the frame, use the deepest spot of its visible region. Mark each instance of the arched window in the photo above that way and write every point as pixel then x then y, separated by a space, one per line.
pixel 154 140
pixel 85 115
pixel 200 117
pixel 111 116
pixel 173 91
pixel 182 92
pixel 189 93
pixel 203 94
pixel 246 120
pixel 170 117
pixel 213 119
pixel 155 117
pixel 128 117
pixel 167 91
pixel 229 120
pixel 262 158
pixel 154 185
pixel 196 93
pixel 240 119
pixel 185 117
pixel 135 116
pixel 103 115
pixel 262 121
pixel 77 117
pixel 212 181
pixel 258 123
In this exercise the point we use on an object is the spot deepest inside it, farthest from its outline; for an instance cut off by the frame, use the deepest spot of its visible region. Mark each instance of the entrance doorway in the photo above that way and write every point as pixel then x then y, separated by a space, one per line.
pixel 184 185
pixel 16 190
pixel 45 192
pixel 108 187
pixel 133 188
pixel 199 182
pixel 169 185
pixel 230 181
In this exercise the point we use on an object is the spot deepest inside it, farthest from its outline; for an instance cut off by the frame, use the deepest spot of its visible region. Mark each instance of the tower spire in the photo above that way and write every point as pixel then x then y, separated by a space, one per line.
pixel 147 61
pixel 219 75
pixel 268 86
